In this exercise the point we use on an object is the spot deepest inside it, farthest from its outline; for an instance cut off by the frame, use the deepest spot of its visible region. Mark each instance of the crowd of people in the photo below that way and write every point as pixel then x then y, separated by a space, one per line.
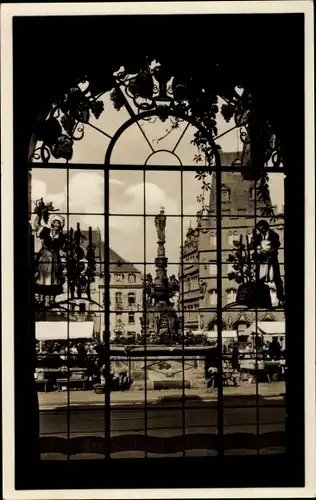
pixel 90 356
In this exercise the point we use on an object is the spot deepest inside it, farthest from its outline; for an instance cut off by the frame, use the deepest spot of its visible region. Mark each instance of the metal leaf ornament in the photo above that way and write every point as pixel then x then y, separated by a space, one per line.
pixel 58 136
pixel 43 210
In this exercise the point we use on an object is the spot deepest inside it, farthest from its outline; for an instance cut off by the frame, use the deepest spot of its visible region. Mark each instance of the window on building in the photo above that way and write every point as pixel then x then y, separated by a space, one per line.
pixel 131 299
pixel 213 297
pixel 118 298
pixel 213 239
pixel 232 237
pixel 82 307
pixel 131 318
pixel 231 295
pixel 225 194
pixel 131 278
pixel 273 295
pixel 213 269
pixel 119 277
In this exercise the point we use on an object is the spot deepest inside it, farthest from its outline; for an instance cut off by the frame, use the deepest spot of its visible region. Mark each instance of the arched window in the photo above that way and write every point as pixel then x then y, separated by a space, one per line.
pixel 213 239
pixel 124 200
pixel 273 295
pixel 232 237
pixel 231 296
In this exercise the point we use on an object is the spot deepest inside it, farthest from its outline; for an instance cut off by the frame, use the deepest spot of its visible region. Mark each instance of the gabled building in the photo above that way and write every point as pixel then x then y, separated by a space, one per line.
pixel 240 212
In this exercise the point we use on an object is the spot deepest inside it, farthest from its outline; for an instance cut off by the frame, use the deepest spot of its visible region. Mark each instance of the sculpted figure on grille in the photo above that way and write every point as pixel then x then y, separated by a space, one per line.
pixel 49 276
pixel 266 243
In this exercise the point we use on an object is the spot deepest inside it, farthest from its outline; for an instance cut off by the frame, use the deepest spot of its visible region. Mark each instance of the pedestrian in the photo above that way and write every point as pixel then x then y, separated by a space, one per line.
pixel 275 349
pixel 235 357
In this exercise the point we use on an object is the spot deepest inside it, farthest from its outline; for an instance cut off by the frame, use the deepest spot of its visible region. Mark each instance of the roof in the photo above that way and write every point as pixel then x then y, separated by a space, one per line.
pixel 267 327
pixel 117 263
pixel 228 158
pixel 58 330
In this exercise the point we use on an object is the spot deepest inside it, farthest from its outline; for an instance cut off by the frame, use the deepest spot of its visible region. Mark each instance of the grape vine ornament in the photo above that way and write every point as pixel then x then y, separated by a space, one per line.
pixel 252 293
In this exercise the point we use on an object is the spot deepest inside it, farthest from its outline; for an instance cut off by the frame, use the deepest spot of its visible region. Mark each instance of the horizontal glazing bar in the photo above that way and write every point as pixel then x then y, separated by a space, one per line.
pixel 167 168
pixel 124 264
pixel 187 299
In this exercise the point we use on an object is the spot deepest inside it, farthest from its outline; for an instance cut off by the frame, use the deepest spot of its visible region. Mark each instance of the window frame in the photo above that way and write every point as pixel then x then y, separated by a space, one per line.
pixel 23 348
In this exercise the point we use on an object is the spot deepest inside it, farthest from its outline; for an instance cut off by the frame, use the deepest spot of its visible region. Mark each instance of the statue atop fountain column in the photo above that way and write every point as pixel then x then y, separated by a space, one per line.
pixel 164 319
pixel 160 223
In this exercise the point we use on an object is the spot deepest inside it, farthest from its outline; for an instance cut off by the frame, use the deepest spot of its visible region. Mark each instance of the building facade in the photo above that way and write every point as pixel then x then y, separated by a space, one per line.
pixel 126 298
pixel 198 272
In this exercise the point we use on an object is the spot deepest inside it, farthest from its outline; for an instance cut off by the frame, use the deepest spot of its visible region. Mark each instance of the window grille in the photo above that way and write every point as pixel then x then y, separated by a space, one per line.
pixel 199 362
pixel 181 312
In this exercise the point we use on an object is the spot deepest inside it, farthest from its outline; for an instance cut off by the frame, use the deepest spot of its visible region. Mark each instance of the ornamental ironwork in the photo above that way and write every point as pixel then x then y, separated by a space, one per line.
pixel 62 257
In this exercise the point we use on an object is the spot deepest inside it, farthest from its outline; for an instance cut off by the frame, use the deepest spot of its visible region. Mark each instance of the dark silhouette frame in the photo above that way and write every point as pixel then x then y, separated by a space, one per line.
pixel 36 44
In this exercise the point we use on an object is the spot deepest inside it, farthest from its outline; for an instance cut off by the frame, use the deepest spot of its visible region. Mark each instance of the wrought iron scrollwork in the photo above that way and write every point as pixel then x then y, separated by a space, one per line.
pixel 260 142
pixel 152 86
pixel 65 124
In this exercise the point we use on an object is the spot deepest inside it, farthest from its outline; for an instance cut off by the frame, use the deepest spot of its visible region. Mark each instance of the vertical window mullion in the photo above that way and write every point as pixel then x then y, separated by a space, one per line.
pixel 220 415
pixel 145 319
pixel 106 332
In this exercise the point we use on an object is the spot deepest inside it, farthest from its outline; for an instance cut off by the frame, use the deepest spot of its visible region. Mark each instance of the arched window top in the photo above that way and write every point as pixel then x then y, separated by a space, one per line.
pixel 225 193
pixel 232 237
pixel 213 296
pixel 231 295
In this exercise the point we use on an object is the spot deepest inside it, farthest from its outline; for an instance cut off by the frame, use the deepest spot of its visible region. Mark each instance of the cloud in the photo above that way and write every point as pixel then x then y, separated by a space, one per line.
pixel 86 193
pixel 86 196
pixel 116 182
pixel 155 197
pixel 38 190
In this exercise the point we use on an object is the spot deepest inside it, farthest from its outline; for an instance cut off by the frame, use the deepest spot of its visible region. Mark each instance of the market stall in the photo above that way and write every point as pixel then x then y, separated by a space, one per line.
pixel 61 369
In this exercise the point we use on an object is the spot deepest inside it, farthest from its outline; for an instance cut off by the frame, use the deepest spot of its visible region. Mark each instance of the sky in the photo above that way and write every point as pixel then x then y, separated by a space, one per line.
pixel 126 188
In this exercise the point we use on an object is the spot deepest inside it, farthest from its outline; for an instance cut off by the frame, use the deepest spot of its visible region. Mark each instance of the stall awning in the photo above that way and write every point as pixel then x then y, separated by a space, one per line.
pixel 266 328
pixel 58 330
pixel 226 334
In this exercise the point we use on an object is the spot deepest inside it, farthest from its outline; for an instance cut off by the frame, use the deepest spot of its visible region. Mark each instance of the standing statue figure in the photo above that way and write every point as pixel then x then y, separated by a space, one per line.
pixel 160 223
pixel 49 271
pixel 266 243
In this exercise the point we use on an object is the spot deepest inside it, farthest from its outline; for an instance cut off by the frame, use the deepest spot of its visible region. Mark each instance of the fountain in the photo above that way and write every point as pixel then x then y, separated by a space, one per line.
pixel 160 317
